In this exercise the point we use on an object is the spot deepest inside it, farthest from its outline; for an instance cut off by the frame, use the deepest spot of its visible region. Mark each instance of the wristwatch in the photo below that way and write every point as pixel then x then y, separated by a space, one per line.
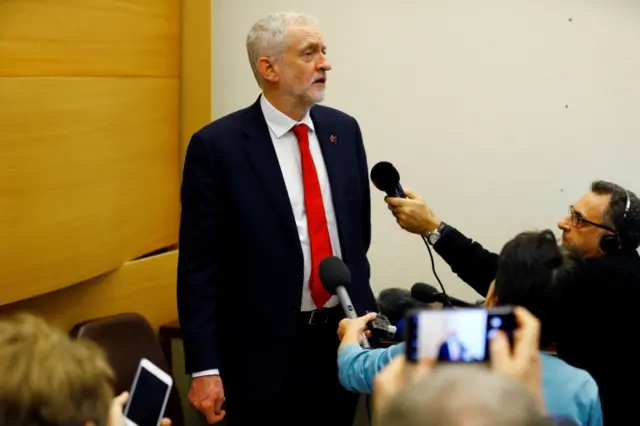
pixel 435 235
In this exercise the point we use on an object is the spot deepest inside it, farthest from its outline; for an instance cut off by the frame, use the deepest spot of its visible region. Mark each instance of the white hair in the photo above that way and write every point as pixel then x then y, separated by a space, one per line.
pixel 267 36
pixel 463 395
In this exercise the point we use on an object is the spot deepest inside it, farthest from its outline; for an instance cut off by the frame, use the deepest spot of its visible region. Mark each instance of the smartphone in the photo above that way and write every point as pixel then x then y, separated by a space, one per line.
pixel 148 395
pixel 458 335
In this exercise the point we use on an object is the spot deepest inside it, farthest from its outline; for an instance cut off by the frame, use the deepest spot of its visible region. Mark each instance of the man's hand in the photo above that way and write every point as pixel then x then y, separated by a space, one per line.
pixel 523 362
pixel 116 411
pixel 355 326
pixel 350 330
pixel 207 395
pixel 413 214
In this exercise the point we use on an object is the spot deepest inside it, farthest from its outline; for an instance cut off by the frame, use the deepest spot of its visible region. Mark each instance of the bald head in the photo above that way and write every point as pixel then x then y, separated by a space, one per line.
pixel 463 396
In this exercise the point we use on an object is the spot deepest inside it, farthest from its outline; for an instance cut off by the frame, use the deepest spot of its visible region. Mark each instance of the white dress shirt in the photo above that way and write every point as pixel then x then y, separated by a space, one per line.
pixel 288 153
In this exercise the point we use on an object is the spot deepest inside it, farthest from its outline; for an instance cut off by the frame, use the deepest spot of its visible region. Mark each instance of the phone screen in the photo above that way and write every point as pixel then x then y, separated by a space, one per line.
pixel 147 399
pixel 455 335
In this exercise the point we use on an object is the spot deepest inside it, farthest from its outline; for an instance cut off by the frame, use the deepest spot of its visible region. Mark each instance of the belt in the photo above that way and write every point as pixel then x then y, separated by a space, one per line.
pixel 321 316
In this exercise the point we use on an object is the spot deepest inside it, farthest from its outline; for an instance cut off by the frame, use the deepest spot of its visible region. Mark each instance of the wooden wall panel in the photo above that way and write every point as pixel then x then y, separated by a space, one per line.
pixel 195 83
pixel 146 286
pixel 90 37
pixel 88 177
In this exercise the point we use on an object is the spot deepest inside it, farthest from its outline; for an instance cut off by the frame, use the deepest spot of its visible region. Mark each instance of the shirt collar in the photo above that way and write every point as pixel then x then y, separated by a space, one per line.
pixel 278 122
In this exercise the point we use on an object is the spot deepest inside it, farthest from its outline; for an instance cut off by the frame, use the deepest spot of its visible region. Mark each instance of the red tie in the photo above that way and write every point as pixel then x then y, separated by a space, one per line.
pixel 316 217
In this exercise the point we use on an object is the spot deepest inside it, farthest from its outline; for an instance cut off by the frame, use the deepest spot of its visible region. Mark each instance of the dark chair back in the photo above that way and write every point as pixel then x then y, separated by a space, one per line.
pixel 126 339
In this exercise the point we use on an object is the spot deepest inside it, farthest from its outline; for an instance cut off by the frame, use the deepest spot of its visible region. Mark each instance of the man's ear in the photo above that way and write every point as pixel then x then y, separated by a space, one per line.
pixel 491 300
pixel 268 69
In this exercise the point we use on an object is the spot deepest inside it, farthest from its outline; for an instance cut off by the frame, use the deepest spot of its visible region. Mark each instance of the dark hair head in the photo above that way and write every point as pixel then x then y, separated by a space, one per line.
pixel 627 227
pixel 533 272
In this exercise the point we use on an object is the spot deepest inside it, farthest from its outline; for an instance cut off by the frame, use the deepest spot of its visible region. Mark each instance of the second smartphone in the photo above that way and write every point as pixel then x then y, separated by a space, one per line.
pixel 456 334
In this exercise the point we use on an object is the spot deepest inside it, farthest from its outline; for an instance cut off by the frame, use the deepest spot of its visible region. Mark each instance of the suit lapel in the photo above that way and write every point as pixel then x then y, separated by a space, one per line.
pixel 262 155
pixel 332 152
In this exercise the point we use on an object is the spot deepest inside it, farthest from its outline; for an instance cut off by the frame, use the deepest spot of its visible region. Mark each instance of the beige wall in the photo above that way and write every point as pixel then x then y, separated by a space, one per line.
pixel 499 112
pixel 95 101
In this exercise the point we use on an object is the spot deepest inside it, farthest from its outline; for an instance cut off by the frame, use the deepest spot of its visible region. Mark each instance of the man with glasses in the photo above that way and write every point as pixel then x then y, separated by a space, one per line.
pixel 598 315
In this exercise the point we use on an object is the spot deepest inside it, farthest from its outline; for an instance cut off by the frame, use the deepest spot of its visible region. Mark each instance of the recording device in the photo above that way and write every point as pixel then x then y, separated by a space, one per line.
pixel 458 335
pixel 335 277
pixel 148 395
pixel 381 328
pixel 426 293
pixel 386 178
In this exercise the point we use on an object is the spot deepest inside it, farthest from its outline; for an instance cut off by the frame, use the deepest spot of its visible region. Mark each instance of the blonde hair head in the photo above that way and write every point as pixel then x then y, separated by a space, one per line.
pixel 46 378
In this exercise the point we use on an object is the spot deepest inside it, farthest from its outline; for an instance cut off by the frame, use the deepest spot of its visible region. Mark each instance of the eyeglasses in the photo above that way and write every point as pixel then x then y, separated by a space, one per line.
pixel 578 221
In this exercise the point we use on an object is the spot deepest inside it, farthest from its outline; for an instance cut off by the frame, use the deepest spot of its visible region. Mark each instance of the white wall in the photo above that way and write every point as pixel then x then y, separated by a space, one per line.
pixel 499 112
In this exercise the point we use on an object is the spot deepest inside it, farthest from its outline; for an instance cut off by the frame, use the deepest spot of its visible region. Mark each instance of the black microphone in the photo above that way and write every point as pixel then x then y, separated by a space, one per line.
pixel 396 303
pixel 386 178
pixel 426 293
pixel 335 277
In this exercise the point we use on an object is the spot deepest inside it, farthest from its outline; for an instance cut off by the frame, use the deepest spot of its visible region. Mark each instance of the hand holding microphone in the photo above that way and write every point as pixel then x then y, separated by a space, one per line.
pixel 335 278
pixel 410 211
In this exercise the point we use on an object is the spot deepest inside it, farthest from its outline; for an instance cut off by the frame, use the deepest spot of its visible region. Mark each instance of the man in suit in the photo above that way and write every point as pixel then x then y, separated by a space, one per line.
pixel 452 349
pixel 268 192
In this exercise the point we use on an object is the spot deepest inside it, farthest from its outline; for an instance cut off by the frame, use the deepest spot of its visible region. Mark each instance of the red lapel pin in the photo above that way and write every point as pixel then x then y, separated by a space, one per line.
pixel 333 139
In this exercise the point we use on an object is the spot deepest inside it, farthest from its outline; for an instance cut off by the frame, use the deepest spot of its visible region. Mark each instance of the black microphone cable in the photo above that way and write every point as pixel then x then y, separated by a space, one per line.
pixel 386 178
pixel 445 296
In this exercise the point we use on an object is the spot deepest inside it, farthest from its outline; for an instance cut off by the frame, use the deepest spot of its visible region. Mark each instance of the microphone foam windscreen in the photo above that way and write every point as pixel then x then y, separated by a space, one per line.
pixel 384 176
pixel 333 273
pixel 395 303
pixel 424 292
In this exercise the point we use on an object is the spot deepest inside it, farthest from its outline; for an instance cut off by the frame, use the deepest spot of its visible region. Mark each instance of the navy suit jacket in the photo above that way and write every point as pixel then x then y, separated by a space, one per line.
pixel 240 267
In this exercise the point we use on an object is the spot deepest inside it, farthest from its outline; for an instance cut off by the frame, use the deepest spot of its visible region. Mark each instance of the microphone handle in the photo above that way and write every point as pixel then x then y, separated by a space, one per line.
pixel 398 192
pixel 350 311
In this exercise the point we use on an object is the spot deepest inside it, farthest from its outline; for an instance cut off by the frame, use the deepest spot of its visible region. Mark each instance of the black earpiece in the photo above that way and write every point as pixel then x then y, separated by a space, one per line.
pixel 611 243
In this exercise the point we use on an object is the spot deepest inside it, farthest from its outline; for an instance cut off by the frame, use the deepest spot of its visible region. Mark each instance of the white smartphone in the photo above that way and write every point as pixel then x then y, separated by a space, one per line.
pixel 148 395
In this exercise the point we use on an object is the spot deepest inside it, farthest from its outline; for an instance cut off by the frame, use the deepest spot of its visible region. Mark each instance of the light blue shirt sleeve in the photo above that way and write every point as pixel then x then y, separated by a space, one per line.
pixel 594 413
pixel 358 367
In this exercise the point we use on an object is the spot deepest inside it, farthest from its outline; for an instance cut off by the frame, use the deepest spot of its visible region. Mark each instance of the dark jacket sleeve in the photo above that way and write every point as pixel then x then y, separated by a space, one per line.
pixel 474 264
pixel 200 275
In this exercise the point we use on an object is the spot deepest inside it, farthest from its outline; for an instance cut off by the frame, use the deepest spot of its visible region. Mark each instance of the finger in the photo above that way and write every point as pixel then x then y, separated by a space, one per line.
pixel 396 201
pixel 165 422
pixel 499 350
pixel 121 399
pixel 424 367
pixel 217 406
pixel 367 333
pixel 412 195
pixel 215 417
pixel 361 323
pixel 528 339
pixel 208 409
pixel 212 417
pixel 369 317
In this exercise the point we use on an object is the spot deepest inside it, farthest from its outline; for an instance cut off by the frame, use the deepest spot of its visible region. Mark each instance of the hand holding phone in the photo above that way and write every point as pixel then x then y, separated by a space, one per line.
pixel 148 396
pixel 459 335
pixel 520 359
